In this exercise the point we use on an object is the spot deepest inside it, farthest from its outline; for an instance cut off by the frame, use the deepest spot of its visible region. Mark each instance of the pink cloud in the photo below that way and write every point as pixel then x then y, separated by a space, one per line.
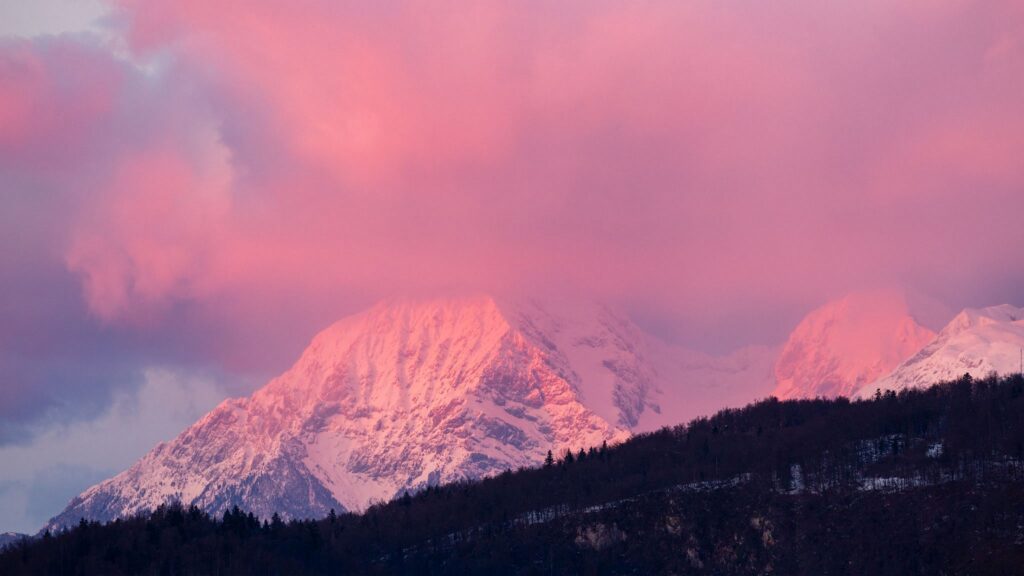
pixel 46 119
pixel 707 160
pixel 153 235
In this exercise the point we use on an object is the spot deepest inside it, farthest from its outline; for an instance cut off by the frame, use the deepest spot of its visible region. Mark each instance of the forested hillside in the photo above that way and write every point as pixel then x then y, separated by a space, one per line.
pixel 923 482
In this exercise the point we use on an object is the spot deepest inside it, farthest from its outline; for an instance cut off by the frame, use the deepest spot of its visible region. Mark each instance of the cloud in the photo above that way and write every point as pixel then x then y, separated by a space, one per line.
pixel 148 243
pixel 63 460
pixel 50 17
pixel 78 127
pixel 695 154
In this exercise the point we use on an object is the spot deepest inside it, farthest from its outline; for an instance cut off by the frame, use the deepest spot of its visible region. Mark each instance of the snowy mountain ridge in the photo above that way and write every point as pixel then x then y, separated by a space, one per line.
pixel 415 393
pixel 977 341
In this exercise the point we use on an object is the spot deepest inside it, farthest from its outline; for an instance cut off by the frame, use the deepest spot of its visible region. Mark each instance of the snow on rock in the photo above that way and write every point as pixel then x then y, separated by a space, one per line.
pixel 848 343
pixel 976 342
pixel 415 393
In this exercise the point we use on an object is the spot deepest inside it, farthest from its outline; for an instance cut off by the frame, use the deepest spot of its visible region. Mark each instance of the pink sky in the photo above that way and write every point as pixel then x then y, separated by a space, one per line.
pixel 207 182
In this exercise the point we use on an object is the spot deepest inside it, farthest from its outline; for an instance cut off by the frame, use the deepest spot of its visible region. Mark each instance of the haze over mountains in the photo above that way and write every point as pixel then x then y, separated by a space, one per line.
pixel 416 393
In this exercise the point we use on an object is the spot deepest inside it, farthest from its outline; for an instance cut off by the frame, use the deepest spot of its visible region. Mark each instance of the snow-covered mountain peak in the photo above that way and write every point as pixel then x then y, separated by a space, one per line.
pixel 975 342
pixel 411 393
pixel 847 343
pixel 415 392
pixel 375 357
pixel 969 318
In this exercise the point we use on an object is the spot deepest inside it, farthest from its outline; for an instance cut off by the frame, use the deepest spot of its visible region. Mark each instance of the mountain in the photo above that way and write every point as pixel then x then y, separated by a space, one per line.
pixel 411 394
pixel 846 344
pixel 976 341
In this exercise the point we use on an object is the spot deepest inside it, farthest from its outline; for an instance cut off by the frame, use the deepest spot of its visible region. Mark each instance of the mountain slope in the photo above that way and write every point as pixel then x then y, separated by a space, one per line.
pixel 846 344
pixel 412 394
pixel 976 341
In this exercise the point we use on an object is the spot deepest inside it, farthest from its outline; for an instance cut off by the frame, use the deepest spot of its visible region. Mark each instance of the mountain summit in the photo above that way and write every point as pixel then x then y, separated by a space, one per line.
pixel 978 341
pixel 415 393
pixel 847 344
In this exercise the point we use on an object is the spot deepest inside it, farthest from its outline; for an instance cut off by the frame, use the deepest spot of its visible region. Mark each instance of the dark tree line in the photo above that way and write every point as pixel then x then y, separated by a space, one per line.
pixel 920 482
